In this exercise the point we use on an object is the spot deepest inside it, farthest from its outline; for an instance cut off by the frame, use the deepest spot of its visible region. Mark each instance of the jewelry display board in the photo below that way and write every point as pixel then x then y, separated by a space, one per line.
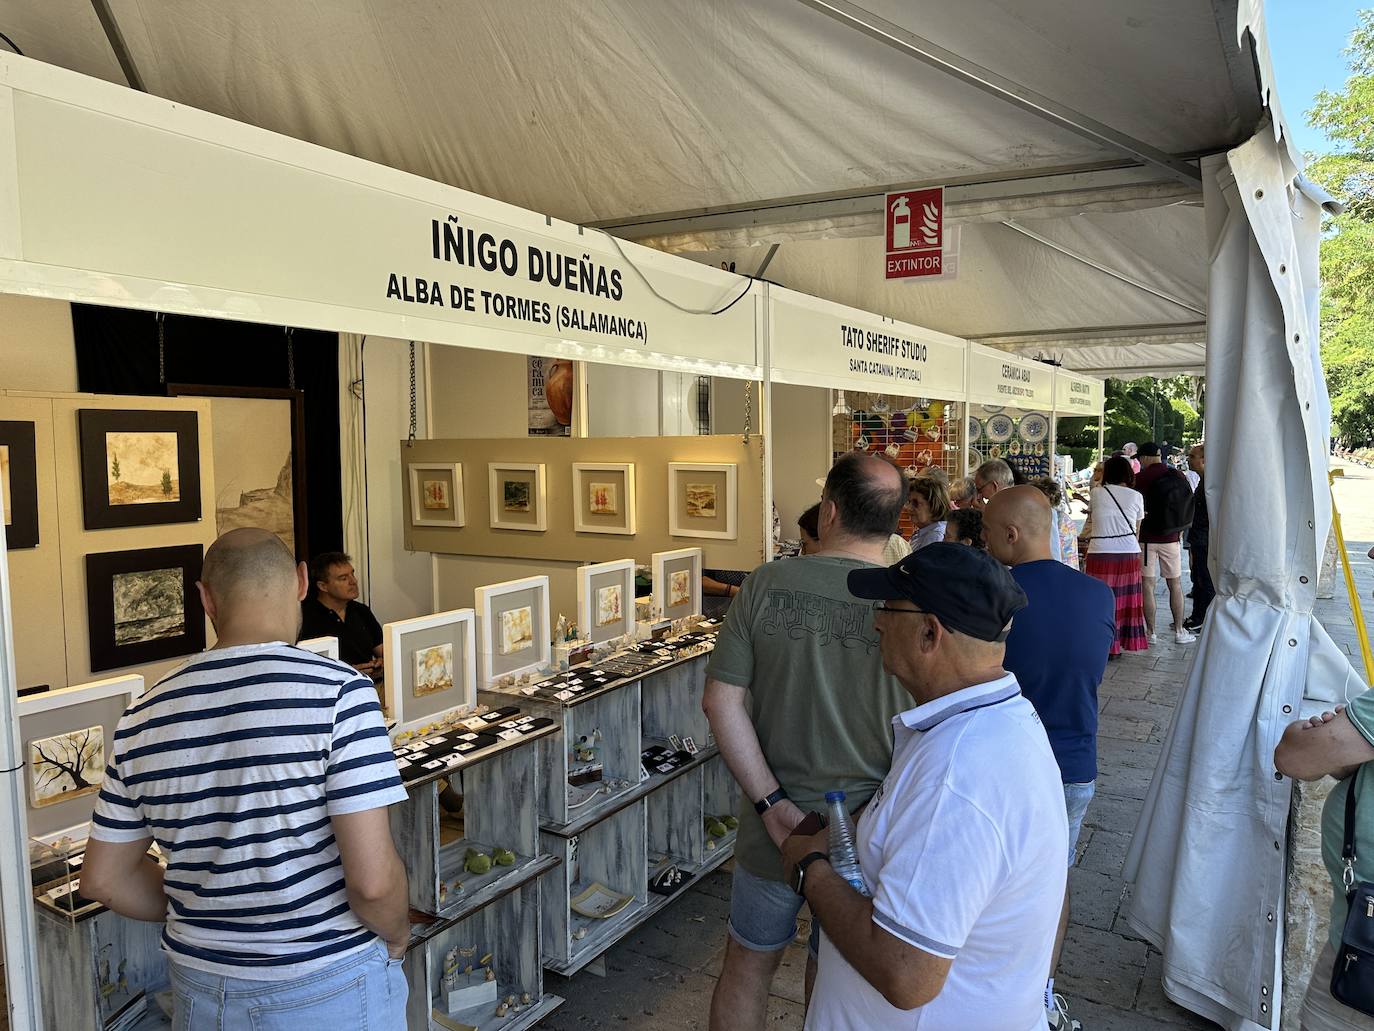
pixel 606 600
pixel 513 628
pixel 431 667
pixel 677 583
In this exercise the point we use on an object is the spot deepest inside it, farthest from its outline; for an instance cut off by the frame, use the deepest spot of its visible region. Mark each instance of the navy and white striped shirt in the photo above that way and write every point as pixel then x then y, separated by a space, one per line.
pixel 234 763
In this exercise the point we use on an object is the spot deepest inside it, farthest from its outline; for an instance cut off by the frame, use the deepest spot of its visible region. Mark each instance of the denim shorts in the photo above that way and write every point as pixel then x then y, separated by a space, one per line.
pixel 763 914
pixel 1076 799
pixel 366 990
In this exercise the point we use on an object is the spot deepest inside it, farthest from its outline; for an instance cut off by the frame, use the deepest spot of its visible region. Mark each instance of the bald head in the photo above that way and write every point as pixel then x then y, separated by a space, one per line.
pixel 249 569
pixel 1017 523
pixel 867 494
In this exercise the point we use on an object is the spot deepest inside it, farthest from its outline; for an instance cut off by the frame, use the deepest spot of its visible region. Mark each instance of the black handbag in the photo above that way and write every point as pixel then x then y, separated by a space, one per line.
pixel 1352 978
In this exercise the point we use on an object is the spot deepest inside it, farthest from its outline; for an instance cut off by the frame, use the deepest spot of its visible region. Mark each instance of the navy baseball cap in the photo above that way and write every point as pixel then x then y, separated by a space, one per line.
pixel 965 588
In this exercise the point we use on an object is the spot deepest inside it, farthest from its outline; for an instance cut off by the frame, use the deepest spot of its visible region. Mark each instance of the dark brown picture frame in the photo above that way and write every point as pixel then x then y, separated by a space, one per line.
pixel 103 567
pixel 22 530
pixel 93 424
pixel 298 465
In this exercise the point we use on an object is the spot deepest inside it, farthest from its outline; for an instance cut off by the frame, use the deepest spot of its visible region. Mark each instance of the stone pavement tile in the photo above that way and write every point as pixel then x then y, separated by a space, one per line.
pixel 638 992
pixel 1112 812
pixel 1126 781
pixel 688 933
pixel 1094 898
pixel 1125 728
pixel 1154 1003
pixel 1105 852
pixel 1123 687
pixel 1122 752
pixel 1095 1017
pixel 790 981
pixel 1099 966
pixel 718 882
pixel 1159 715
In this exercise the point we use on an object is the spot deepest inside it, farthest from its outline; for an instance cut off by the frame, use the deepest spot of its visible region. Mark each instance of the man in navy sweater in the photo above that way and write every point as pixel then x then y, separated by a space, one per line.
pixel 1058 649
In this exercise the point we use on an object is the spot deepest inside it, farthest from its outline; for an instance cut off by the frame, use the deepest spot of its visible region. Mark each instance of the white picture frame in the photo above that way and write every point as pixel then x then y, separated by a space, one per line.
pixel 129 688
pixel 457 627
pixel 538 497
pixel 582 473
pixel 593 578
pixel 662 566
pixel 724 522
pixel 326 646
pixel 492 665
pixel 417 499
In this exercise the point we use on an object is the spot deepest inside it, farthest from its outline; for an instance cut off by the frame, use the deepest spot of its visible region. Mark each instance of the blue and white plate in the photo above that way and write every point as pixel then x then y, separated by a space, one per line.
pixel 1034 428
pixel 975 429
pixel 1000 428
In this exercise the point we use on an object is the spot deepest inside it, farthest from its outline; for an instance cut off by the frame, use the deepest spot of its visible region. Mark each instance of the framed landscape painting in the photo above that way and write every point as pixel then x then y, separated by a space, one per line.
pixel 431 667
pixel 606 599
pixel 19 484
pixel 702 500
pixel 518 500
pixel 604 497
pixel 513 628
pixel 142 606
pixel 138 468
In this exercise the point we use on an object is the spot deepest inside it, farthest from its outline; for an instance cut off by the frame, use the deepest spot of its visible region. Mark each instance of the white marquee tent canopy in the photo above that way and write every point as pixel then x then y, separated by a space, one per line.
pixel 1064 129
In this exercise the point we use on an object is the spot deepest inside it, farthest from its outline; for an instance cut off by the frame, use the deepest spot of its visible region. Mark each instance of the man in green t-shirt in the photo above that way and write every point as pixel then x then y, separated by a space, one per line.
pixel 1337 744
pixel 799 705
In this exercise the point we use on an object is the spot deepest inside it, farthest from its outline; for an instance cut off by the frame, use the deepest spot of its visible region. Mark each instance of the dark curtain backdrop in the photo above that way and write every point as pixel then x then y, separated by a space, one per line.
pixel 116 353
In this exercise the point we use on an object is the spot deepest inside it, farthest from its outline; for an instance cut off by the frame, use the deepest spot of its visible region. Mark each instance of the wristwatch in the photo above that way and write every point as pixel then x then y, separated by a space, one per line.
pixel 799 874
pixel 769 801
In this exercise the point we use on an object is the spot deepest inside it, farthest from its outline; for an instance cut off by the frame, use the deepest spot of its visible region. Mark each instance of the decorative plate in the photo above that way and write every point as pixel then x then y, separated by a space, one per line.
pixel 600 902
pixel 975 458
pixel 992 409
pixel 975 429
pixel 1000 428
pixel 1034 428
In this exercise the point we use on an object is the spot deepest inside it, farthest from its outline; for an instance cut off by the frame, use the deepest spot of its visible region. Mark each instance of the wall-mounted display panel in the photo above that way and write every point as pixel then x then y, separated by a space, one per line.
pixel 606 600
pixel 604 498
pixel 143 605
pixel 518 496
pixel 431 667
pixel 702 499
pixel 436 494
pixel 139 467
pixel 677 583
pixel 19 483
pixel 514 630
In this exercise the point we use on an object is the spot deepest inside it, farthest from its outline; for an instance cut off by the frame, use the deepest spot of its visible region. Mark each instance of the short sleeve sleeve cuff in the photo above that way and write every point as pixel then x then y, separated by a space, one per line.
pixel 1361 713
pixel 912 937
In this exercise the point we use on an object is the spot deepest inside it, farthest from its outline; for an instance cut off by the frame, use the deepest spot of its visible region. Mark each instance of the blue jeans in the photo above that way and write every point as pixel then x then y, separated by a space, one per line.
pixel 1076 799
pixel 763 914
pixel 363 992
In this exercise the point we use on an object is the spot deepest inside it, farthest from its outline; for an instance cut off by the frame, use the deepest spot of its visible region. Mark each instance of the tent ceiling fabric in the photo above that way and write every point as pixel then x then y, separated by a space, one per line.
pixel 627 109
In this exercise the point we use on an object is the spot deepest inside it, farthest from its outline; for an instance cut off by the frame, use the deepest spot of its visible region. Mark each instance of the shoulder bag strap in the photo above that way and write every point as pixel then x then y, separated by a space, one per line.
pixel 1348 844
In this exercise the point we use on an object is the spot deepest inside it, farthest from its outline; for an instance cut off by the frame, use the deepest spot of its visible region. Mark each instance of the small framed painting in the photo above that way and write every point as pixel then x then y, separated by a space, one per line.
pixel 138 468
pixel 677 583
pixel 604 497
pixel 67 737
pixel 431 667
pixel 436 495
pixel 513 628
pixel 606 599
pixel 142 606
pixel 701 500
pixel 517 496
pixel 326 646
pixel 19 484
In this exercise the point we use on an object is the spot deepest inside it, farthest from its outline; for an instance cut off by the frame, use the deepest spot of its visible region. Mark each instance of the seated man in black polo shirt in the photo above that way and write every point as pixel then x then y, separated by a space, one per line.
pixel 335 611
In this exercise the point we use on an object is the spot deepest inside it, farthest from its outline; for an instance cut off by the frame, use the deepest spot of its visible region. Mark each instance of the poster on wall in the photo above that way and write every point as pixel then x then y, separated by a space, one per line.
pixel 550 397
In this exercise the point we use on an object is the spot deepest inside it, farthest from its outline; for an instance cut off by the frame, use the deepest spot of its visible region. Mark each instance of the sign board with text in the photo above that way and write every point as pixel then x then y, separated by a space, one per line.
pixel 819 343
pixel 998 378
pixel 915 232
pixel 1078 395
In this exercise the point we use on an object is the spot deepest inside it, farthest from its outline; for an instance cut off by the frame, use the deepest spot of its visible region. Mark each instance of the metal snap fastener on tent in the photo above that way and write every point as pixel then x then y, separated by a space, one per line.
pixel 1278 775
pixel 1287 708
pixel 1302 579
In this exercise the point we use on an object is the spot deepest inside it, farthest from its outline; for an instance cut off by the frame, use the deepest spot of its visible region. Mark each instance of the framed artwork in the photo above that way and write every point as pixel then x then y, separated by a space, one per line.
pixel 513 628
pixel 518 496
pixel 677 582
pixel 138 468
pixel 606 599
pixel 431 667
pixel 67 740
pixel 702 500
pixel 142 606
pixel 326 646
pixel 436 494
pixel 19 484
pixel 257 440
pixel 604 497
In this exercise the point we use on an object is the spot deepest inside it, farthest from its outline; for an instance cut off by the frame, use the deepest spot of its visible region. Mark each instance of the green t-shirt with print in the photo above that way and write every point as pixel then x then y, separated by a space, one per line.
pixel 1361 713
pixel 820 702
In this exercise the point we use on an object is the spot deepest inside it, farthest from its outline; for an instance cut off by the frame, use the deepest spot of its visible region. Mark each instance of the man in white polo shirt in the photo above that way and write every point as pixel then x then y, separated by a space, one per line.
pixel 963 845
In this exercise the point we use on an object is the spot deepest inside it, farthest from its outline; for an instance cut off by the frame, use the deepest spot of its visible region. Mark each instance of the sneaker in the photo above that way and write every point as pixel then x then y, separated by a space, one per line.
pixel 1183 636
pixel 1150 636
pixel 1192 625
pixel 1057 1017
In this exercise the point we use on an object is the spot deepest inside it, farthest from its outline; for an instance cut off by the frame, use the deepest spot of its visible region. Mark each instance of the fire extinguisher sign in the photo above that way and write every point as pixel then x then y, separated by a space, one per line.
pixel 915 233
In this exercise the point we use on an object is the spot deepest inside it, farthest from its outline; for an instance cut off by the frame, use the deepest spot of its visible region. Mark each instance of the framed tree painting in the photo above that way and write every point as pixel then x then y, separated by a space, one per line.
pixel 604 497
pixel 138 468
pixel 606 600
pixel 19 484
pixel 431 667
pixel 143 606
pixel 677 583
pixel 436 494
pixel 701 500
pixel 518 499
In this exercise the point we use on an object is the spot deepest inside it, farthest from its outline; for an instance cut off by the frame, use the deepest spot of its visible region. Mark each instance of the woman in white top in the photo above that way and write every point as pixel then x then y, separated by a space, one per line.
pixel 1114 551
pixel 929 503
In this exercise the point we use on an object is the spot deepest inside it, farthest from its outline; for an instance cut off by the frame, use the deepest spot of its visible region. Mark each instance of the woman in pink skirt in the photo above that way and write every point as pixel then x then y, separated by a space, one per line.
pixel 1114 551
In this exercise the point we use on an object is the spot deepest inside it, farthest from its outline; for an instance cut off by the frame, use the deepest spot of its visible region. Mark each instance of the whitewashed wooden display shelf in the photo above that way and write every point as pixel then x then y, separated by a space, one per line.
pixel 618 831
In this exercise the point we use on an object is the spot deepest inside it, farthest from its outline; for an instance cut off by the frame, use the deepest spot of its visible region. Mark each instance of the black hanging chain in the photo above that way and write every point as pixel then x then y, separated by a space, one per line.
pixel 161 349
pixel 291 357
pixel 410 441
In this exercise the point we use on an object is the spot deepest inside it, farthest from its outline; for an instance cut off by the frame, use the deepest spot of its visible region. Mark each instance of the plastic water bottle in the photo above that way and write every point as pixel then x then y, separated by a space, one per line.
pixel 844 857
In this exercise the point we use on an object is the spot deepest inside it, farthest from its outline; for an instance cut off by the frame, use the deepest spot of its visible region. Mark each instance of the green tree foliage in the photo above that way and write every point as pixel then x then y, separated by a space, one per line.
pixel 1138 410
pixel 1346 116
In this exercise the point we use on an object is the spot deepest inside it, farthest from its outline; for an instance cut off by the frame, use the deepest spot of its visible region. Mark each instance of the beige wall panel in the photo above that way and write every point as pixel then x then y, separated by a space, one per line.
pixel 37 348
pixel 560 542
pixel 457 578
pixel 36 573
pixel 478 393
pixel 801 450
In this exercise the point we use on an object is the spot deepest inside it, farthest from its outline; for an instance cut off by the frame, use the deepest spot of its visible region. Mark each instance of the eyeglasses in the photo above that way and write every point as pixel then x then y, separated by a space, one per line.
pixel 882 606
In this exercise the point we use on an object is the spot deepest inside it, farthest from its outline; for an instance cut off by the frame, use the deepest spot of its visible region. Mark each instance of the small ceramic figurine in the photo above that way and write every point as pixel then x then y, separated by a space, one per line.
pixel 490 975
pixel 501 1010
pixel 579 934
pixel 560 629
pixel 525 999
pixel 572 632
